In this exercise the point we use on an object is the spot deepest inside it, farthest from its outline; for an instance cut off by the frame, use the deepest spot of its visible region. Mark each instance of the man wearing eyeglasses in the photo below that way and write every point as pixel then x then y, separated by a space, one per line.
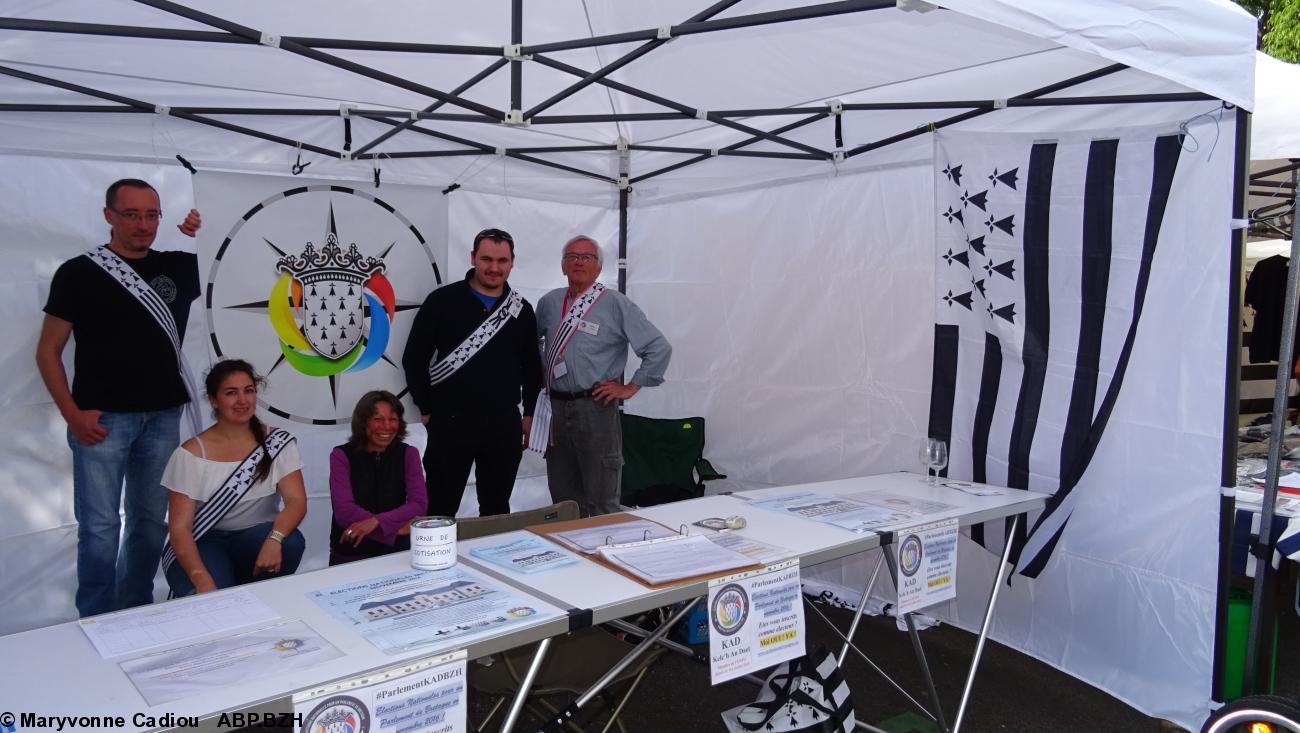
pixel 585 331
pixel 471 358
pixel 127 391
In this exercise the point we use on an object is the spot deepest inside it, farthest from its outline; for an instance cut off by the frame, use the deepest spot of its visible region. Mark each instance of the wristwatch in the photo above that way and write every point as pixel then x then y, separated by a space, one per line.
pixel 277 536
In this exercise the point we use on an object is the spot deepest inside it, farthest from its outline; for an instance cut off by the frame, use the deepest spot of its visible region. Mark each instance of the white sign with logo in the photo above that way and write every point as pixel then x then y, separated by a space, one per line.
pixel 425 695
pixel 926 558
pixel 755 620
pixel 316 283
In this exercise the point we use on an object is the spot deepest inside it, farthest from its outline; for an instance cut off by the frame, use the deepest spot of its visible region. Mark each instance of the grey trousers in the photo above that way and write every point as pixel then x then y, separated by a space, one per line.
pixel 585 463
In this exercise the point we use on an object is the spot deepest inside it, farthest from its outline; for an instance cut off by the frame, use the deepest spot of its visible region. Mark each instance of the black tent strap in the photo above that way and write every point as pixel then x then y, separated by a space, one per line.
pixel 473 80
pixel 622 61
pixel 140 106
pixel 1040 92
pixel 324 58
pixel 428 114
pixel 347 133
pixel 440 135
pixel 691 111
pixel 734 146
pixel 180 34
pixel 705 26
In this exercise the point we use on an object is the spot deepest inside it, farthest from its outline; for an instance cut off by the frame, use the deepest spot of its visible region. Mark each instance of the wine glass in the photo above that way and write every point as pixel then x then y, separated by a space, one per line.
pixel 934 456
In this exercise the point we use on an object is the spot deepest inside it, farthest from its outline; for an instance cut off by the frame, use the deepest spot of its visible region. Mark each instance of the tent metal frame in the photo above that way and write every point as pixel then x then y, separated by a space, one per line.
pixel 517 52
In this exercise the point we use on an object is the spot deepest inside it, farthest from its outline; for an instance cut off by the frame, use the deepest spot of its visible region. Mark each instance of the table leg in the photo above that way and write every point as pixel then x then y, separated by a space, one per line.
pixel 517 705
pixel 569 712
pixel 857 614
pixel 984 627
pixel 918 650
pixel 924 710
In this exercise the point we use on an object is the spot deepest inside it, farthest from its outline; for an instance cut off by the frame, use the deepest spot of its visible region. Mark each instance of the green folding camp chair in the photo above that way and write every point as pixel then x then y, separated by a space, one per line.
pixel 663 460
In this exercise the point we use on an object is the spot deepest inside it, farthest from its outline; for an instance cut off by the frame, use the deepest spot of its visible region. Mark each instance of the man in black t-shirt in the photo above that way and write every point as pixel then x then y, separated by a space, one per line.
pixel 127 393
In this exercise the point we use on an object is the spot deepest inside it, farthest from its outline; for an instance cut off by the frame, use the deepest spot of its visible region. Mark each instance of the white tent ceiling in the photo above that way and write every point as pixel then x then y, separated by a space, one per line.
pixel 867 52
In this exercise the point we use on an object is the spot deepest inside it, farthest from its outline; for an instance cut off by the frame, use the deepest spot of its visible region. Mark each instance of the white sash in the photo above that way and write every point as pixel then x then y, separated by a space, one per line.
pixel 441 369
pixel 236 485
pixel 129 279
pixel 539 437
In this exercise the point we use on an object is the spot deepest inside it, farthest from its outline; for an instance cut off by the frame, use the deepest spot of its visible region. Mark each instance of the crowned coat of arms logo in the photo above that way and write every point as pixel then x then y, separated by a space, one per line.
pixel 329 285
pixel 317 287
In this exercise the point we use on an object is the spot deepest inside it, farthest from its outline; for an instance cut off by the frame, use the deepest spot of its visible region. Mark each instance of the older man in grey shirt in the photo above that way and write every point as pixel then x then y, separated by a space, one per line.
pixel 586 330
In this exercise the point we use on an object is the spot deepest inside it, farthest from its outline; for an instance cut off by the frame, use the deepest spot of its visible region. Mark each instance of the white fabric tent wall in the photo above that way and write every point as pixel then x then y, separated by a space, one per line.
pixel 716 280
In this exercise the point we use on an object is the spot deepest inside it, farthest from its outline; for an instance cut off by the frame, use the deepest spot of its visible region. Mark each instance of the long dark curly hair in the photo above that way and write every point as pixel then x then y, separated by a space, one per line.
pixel 212 383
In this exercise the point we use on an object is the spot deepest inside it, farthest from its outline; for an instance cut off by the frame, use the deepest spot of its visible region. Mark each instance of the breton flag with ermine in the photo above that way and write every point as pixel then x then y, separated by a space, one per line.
pixel 1043 256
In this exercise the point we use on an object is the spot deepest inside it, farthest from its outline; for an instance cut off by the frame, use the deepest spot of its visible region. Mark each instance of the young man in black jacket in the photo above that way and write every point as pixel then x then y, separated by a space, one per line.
pixel 470 359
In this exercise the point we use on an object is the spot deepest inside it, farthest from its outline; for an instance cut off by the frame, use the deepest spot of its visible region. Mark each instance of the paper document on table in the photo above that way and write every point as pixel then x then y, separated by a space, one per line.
pixel 172 674
pixel 428 608
pixel 674 558
pixel 973 489
pixel 913 505
pixel 750 548
pixel 529 554
pixel 837 511
pixel 183 620
pixel 588 539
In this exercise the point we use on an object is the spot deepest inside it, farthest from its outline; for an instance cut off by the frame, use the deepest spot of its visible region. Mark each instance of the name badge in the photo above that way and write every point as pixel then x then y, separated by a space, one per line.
pixel 589 327
pixel 559 370
pixel 515 308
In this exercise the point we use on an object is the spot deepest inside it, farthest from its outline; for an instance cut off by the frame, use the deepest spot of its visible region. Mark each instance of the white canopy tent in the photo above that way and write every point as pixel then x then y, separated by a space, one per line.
pixel 766 169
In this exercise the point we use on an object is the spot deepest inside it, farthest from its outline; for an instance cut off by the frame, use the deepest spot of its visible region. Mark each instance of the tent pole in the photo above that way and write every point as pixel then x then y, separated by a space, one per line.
pixel 706 26
pixel 691 111
pixel 1261 625
pixel 1231 402
pixel 624 191
pixel 517 66
pixel 622 61
pixel 299 49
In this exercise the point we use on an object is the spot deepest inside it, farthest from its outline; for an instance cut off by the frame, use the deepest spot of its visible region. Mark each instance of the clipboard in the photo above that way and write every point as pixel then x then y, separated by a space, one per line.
pixel 546 530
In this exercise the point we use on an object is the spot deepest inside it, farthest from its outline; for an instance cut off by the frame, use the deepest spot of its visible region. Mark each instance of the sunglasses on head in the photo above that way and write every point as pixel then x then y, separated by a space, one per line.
pixel 498 235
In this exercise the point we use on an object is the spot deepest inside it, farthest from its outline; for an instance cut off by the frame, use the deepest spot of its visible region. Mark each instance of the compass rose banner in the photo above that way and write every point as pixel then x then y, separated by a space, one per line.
pixel 316 283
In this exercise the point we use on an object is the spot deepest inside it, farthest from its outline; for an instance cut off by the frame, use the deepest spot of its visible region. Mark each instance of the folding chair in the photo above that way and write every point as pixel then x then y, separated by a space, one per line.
pixel 575 661
pixel 663 460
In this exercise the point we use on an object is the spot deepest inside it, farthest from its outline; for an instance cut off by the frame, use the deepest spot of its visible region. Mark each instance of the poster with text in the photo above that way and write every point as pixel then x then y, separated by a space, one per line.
pixel 926 558
pixel 755 620
pixel 428 695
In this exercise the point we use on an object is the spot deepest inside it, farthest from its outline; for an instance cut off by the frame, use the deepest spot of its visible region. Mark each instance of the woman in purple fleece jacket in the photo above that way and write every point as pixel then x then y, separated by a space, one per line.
pixel 376 483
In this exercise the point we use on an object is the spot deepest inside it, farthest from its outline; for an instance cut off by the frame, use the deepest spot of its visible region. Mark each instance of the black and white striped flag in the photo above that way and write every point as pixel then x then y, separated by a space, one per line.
pixel 1044 253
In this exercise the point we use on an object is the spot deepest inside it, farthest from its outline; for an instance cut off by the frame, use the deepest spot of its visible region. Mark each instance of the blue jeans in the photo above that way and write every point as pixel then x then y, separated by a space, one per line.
pixel 229 556
pixel 134 454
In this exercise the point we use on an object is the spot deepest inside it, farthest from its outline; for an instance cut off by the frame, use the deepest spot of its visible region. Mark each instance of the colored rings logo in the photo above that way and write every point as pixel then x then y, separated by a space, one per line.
pixel 730 609
pixel 521 612
pixel 909 555
pixel 317 287
pixel 338 714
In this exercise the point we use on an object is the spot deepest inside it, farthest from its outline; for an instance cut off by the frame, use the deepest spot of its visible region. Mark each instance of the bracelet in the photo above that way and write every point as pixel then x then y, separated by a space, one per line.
pixel 277 536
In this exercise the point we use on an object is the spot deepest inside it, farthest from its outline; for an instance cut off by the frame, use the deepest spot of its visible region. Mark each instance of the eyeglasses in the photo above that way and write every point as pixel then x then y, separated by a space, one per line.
pixel 497 235
pixel 580 257
pixel 152 215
